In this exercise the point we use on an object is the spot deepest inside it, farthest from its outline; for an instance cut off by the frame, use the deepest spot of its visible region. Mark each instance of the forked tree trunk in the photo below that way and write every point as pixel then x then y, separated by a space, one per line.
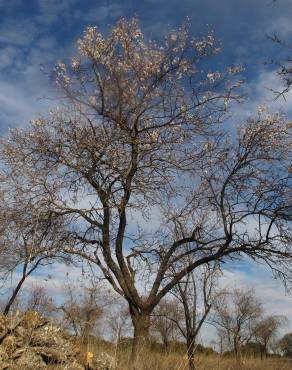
pixel 141 323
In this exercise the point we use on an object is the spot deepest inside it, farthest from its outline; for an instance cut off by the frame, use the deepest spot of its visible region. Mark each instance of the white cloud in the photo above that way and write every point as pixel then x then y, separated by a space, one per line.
pixel 20 32
pixel 12 4
pixel 51 11
pixel 47 42
pixel 281 25
pixel 8 56
pixel 19 98
pixel 258 92
pixel 98 14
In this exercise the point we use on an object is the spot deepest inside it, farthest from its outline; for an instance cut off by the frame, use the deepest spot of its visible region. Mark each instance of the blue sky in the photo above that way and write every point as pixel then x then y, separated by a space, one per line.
pixel 36 33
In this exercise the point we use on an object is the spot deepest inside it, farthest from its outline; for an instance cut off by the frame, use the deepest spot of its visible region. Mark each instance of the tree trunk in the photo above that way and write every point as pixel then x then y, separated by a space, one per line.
pixel 25 275
pixel 262 353
pixel 165 343
pixel 13 296
pixel 237 349
pixel 85 343
pixel 141 323
pixel 86 333
pixel 191 352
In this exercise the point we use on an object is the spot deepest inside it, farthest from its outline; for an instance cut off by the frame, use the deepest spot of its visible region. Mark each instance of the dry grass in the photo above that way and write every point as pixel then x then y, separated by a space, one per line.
pixel 154 360
pixel 176 362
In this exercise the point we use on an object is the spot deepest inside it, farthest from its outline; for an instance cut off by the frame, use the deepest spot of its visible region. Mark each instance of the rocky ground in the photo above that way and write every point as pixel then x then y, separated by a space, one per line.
pixel 29 341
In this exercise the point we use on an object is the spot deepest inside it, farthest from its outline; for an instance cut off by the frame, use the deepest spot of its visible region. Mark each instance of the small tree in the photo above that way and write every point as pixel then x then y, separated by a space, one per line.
pixel 119 321
pixel 165 319
pixel 285 345
pixel 236 314
pixel 266 329
pixel 38 299
pixel 82 309
pixel 195 295
pixel 30 236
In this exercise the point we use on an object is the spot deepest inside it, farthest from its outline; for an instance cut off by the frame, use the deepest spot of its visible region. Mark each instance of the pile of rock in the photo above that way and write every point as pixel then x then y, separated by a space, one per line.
pixel 29 341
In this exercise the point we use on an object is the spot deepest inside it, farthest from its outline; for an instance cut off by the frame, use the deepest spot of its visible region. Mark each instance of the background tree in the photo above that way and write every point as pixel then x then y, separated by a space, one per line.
pixel 165 319
pixel 119 322
pixel 266 330
pixel 138 136
pixel 82 309
pixel 30 237
pixel 195 295
pixel 285 345
pixel 236 313
pixel 38 299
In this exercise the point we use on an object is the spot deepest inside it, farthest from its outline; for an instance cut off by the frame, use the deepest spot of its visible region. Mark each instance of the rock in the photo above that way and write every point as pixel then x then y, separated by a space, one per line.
pixel 3 355
pixel 104 362
pixel 11 343
pixel 31 320
pixel 29 360
pixel 32 342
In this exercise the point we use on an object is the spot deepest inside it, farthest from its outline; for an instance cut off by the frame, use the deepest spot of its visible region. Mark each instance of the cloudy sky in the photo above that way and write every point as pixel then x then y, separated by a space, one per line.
pixel 34 34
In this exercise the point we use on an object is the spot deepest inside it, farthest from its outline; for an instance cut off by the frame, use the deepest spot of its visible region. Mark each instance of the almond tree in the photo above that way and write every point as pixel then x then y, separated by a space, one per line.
pixel 137 158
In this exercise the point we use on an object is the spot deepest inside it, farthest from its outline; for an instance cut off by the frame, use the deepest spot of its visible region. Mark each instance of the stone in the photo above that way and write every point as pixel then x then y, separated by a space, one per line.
pixel 31 342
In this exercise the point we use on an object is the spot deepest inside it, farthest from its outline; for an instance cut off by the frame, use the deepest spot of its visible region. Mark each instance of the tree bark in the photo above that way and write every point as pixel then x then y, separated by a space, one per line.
pixel 86 333
pixel 141 323
pixel 237 350
pixel 262 353
pixel 13 296
pixel 165 344
pixel 25 275
pixel 191 353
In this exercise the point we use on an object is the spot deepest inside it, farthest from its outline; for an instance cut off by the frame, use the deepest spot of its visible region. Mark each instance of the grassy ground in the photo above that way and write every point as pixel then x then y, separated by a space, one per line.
pixel 155 360
pixel 176 362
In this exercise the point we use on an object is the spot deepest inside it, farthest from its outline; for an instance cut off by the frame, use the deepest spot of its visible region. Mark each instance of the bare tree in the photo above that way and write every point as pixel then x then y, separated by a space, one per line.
pixel 119 322
pixel 266 330
pixel 138 137
pixel 38 299
pixel 285 345
pixel 82 309
pixel 196 294
pixel 165 319
pixel 236 315
pixel 30 236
